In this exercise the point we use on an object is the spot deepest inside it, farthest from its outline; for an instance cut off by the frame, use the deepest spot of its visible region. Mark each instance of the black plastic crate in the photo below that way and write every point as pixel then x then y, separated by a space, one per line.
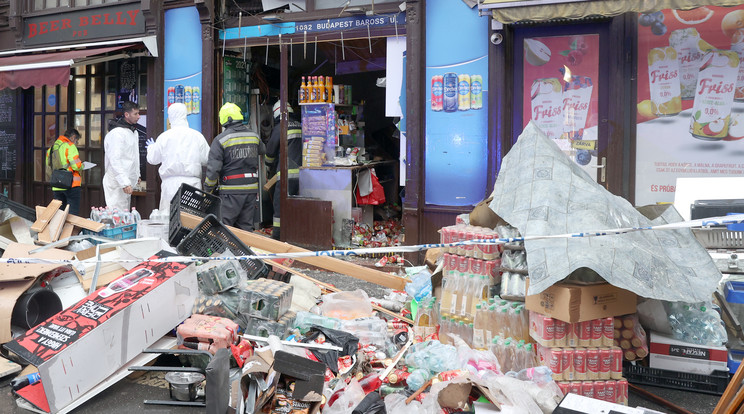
pixel 714 383
pixel 21 210
pixel 194 201
pixel 211 236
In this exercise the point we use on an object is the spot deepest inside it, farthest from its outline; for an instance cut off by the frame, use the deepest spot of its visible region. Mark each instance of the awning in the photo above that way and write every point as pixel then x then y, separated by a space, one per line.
pixel 509 11
pixel 25 71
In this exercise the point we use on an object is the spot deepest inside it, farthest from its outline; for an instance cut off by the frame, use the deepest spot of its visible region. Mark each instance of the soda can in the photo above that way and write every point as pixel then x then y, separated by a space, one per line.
pixel 195 100
pixel 344 363
pixel 587 389
pixel 451 374
pixel 463 264
pixel 572 338
pixel 592 364
pixel 574 387
pixel 559 335
pixel 171 95
pixel 616 368
pixel 449 101
pixel 187 98
pixel 180 92
pixel 437 93
pixel 397 324
pixel 489 251
pixel 453 264
pixel 585 333
pixel 386 390
pixel 476 92
pixel 608 331
pixel 611 391
pixel 599 390
pixel 548 331
pixel 714 96
pixel 398 377
pixel 579 363
pixel 444 237
pixel 621 392
pixel 605 363
pixel 555 363
pixel 564 386
pixel 463 91
pixel 476 266
pixel 597 332
pixel 567 364
pixel 469 248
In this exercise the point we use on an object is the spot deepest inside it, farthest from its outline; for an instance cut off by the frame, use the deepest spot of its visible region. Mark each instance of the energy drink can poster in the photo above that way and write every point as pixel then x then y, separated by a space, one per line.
pixel 457 105
pixel 183 59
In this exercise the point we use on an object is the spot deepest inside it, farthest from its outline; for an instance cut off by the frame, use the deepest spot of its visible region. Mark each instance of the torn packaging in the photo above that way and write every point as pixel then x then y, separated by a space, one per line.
pixel 540 191
pixel 342 339
pixel 84 344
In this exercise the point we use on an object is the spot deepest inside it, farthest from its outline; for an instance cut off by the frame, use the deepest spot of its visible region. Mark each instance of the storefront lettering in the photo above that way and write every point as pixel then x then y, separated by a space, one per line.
pixel 120 18
pixel 709 86
pixel 545 112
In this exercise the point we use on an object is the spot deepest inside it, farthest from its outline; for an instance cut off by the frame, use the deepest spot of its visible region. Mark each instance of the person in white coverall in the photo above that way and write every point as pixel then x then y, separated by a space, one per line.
pixel 181 153
pixel 121 148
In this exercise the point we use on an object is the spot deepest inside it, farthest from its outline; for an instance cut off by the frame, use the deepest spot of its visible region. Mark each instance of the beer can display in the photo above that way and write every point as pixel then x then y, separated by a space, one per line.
pixel 559 332
pixel 599 390
pixel 437 93
pixel 555 363
pixel 592 363
pixel 171 95
pixel 567 364
pixel 579 363
pixel 616 370
pixel 195 100
pixel 611 391
pixel 714 98
pixel 449 101
pixel 463 92
pixel 608 331
pixel 663 81
pixel 574 387
pixel 476 92
pixel 587 389
pixel 605 363
pixel 584 333
pixel 187 98
pixel 597 332
pixel 180 92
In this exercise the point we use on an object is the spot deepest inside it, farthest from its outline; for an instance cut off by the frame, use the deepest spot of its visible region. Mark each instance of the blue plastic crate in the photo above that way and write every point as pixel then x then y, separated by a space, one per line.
pixel 734 292
pixel 735 356
pixel 125 232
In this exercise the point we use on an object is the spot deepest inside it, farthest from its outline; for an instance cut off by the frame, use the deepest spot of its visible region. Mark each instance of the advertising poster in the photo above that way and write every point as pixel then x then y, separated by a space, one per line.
pixel 560 93
pixel 456 105
pixel 183 62
pixel 690 109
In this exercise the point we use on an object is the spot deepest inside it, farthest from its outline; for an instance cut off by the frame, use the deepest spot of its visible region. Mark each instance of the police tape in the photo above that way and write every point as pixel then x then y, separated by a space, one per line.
pixel 703 223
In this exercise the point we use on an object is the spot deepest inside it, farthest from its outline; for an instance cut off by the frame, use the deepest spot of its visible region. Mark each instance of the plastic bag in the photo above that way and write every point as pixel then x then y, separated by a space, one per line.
pixel 371 404
pixel 345 340
pixel 376 197
pixel 351 397
pixel 420 285
pixel 697 323
pixel 396 404
pixel 347 305
pixel 630 336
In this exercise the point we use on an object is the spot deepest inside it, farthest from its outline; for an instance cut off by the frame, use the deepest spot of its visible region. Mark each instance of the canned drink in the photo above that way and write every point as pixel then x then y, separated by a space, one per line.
pixel 397 324
pixel 463 92
pixel 574 387
pixel 187 98
pixel 616 367
pixel 548 331
pixel 386 390
pixel 577 96
pixel 489 251
pixel 621 392
pixel 564 386
pixel 449 101
pixel 451 374
pixel 476 266
pixel 714 98
pixel 195 100
pixel 180 92
pixel 686 42
pixel 463 264
pixel 476 92
pixel 663 81
pixel 608 331
pixel 344 363
pixel 171 95
pixel 469 248
pixel 491 269
pixel 546 97
pixel 437 93
pixel 605 363
pixel 453 264
pixel 597 332
pixel 572 335
pixel 587 389
pixel 592 364
pixel 444 237
pixel 555 363
pixel 462 235
pixel 567 364
pixel 599 390
pixel 610 391
pixel 585 333
pixel 579 363
pixel 559 333
pixel 398 376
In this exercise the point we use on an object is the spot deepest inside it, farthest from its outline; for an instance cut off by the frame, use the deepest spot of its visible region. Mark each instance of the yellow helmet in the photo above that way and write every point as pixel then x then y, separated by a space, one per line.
pixel 230 112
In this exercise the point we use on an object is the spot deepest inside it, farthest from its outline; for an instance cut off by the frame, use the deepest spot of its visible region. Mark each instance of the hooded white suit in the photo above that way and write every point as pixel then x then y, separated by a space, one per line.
pixel 121 148
pixel 181 151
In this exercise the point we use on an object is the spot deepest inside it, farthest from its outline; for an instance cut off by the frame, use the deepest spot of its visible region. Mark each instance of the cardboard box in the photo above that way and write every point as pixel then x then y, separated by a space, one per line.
pixel 83 345
pixel 675 355
pixel 578 303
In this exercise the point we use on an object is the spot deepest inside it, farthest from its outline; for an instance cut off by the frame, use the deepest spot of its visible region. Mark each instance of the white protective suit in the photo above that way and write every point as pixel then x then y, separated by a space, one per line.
pixel 121 148
pixel 182 152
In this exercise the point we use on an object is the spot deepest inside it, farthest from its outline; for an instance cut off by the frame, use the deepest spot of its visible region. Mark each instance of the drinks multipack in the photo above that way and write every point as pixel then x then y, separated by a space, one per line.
pixel 218 276
pixel 265 327
pixel 221 332
pixel 582 364
pixel 265 298
pixel 462 232
pixel 550 332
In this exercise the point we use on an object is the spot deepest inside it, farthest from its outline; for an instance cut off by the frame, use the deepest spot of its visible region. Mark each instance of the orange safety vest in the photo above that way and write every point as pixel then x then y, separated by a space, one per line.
pixel 68 158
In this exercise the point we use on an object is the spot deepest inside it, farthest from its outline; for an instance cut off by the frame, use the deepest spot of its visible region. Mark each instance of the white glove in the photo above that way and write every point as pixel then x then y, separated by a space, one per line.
pixel 149 142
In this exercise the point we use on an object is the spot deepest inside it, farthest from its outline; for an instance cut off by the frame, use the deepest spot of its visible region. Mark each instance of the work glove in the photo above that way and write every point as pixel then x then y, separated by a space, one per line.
pixel 149 142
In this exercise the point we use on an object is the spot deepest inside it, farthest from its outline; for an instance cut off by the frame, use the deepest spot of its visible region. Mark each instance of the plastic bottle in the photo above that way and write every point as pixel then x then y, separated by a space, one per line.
pixel 479 327
pixel 304 320
pixel 467 293
pixel 469 334
pixel 455 287
pixel 420 286
pixel 136 217
pixel 20 382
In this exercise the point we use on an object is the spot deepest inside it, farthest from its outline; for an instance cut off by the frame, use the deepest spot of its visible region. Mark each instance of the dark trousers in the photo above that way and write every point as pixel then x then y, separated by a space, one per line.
pixel 71 197
pixel 238 210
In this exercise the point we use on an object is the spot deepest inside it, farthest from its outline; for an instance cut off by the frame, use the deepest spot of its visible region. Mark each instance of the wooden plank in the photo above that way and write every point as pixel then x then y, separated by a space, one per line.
pixel 730 392
pixel 54 227
pixel 8 367
pixel 21 230
pixel 85 223
pixel 324 262
pixel 42 221
pixel 66 232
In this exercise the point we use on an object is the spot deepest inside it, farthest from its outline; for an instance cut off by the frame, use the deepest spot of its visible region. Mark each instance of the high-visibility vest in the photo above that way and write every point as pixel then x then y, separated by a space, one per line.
pixel 67 157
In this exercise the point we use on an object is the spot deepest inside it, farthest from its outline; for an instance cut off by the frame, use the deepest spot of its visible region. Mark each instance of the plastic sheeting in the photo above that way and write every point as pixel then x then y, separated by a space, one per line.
pixel 542 192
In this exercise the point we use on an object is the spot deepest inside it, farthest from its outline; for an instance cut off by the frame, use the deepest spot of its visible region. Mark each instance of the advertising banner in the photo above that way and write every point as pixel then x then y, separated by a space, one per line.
pixel 560 74
pixel 457 105
pixel 183 62
pixel 690 109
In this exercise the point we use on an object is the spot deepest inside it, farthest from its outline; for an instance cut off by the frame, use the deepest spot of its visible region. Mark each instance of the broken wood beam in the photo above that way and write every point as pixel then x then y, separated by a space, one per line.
pixel 43 219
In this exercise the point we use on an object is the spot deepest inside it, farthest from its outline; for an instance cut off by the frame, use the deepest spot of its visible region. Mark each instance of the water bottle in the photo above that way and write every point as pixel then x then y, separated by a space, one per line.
pixel 136 217
pixel 420 285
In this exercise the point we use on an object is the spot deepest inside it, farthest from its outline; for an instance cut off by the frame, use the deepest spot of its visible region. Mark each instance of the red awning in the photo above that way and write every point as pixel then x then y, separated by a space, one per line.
pixel 25 71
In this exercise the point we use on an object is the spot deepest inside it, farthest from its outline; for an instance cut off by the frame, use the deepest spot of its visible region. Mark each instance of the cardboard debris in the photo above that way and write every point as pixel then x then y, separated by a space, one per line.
pixel 21 231
pixel 8 367
pixel 42 220
pixel 15 279
pixel 578 303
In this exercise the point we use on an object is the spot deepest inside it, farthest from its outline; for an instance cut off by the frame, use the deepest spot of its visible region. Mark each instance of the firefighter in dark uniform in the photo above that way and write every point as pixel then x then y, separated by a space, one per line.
pixel 294 160
pixel 232 168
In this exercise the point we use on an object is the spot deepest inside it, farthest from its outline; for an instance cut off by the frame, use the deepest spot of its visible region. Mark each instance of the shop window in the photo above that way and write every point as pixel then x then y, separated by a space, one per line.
pixel 96 132
pixel 690 99
pixel 96 93
pixel 62 99
pixel 50 130
pixel 81 125
pixel 38 99
pixel 38 165
pixel 110 99
pixel 38 130
pixel 80 94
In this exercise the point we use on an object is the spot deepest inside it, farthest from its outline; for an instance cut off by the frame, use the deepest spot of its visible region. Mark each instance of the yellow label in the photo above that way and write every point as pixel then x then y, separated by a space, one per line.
pixel 586 145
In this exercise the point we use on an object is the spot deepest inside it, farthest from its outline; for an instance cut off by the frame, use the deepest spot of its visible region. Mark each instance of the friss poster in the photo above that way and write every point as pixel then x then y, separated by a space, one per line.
pixel 690 109
pixel 560 93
